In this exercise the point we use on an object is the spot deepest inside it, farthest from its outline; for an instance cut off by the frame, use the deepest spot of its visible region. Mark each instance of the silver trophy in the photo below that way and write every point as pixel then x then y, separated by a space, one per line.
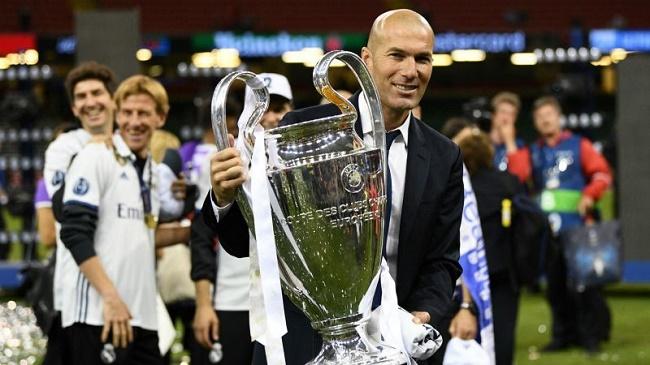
pixel 328 199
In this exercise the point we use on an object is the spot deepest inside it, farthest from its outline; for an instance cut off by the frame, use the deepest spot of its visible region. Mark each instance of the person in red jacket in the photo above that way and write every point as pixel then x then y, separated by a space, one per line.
pixel 568 175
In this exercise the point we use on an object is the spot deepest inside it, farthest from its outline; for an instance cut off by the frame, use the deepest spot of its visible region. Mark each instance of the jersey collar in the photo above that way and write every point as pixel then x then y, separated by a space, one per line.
pixel 121 149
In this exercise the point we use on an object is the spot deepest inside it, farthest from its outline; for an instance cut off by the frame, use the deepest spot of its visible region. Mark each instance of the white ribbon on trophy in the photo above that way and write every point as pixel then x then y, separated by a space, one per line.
pixel 267 320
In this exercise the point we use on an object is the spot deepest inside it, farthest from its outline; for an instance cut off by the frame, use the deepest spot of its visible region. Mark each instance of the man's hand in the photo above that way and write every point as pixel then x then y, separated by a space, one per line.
pixel 463 325
pixel 206 325
pixel 227 173
pixel 421 317
pixel 507 133
pixel 116 321
pixel 585 205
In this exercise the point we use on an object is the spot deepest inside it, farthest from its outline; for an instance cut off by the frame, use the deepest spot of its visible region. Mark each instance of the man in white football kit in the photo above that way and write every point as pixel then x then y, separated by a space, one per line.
pixel 109 217
pixel 90 90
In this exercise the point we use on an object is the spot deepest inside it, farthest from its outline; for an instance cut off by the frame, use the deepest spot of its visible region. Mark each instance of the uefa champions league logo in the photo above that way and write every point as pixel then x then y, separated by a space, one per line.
pixel 352 179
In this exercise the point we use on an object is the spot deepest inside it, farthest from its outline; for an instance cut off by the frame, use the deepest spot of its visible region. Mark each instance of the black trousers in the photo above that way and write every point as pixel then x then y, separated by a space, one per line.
pixel 301 343
pixel 56 351
pixel 580 318
pixel 85 346
pixel 505 306
pixel 184 310
pixel 235 338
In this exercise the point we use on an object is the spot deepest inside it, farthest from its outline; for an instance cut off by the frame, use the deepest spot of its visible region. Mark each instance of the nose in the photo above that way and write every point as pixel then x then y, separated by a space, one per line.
pixel 90 101
pixel 409 68
pixel 131 119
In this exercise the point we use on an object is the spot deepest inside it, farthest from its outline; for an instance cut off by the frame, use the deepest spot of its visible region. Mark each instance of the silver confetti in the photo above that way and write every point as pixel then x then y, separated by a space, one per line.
pixel 21 340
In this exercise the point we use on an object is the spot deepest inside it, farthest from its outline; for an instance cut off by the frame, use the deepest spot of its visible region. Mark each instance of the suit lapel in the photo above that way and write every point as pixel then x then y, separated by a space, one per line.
pixel 417 167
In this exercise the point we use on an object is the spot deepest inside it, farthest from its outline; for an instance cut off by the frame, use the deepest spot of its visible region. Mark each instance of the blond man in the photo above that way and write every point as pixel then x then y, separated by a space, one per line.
pixel 110 208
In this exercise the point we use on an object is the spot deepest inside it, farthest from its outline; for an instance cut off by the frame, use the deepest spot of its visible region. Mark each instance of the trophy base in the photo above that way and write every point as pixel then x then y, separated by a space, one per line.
pixel 349 344
pixel 349 352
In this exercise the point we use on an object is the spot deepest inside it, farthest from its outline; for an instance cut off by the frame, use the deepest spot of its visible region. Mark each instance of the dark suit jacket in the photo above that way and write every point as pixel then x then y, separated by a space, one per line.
pixel 428 248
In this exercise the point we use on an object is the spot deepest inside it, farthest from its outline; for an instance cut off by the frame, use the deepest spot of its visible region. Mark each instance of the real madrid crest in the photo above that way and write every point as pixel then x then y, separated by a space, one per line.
pixel 81 187
pixel 352 178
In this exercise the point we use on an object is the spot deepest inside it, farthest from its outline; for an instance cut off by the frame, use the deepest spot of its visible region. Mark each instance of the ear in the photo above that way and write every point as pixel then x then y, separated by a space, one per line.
pixel 366 56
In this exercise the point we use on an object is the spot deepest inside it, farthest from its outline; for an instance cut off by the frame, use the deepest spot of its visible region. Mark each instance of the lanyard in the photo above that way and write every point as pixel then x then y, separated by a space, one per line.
pixel 145 194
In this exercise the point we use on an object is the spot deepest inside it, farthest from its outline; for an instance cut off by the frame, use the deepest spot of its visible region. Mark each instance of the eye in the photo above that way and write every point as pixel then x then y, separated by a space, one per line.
pixel 423 59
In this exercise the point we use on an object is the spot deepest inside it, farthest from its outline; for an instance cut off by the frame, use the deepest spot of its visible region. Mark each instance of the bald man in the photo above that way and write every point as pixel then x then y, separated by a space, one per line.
pixel 426 182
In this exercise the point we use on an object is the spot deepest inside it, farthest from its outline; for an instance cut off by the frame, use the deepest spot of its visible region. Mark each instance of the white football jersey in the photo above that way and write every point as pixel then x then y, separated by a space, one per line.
pixel 57 160
pixel 107 180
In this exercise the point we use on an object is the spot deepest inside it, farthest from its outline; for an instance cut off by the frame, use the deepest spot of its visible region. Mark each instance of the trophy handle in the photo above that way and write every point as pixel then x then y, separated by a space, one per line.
pixel 218 108
pixel 354 62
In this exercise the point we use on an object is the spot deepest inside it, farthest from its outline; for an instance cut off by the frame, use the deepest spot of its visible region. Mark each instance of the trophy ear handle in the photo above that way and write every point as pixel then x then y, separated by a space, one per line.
pixel 358 67
pixel 251 115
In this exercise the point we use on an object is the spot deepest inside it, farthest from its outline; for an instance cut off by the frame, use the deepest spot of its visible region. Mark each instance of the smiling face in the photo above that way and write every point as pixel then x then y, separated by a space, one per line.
pixel 93 106
pixel 399 56
pixel 137 119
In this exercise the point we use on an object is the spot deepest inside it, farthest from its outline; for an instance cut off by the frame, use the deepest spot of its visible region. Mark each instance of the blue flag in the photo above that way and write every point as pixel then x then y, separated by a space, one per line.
pixel 475 269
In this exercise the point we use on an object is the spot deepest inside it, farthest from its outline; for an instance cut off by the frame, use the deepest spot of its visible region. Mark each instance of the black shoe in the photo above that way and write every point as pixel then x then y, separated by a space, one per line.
pixel 556 345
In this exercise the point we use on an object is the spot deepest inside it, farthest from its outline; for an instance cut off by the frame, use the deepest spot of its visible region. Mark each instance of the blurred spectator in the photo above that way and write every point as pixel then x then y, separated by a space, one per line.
pixel 195 151
pixel 160 142
pixel 494 192
pixel 173 266
pixel 89 88
pixel 45 222
pixel 44 216
pixel 469 317
pixel 569 176
pixel 509 154
pixel 457 128
pixel 281 99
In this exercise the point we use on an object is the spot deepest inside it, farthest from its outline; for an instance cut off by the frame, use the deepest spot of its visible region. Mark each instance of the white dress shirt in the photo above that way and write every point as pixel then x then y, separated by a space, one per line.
pixel 397 163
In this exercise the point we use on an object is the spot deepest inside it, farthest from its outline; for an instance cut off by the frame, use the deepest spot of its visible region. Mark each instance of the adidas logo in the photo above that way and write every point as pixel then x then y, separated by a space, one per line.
pixel 123 176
